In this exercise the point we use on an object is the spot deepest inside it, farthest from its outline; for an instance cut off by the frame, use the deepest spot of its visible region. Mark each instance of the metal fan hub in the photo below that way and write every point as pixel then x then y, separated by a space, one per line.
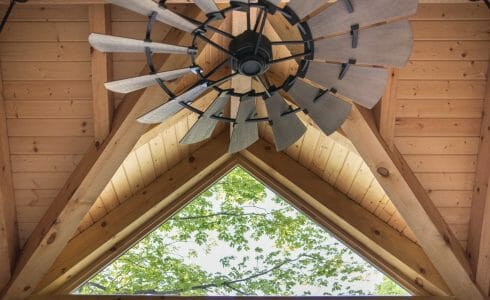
pixel 250 59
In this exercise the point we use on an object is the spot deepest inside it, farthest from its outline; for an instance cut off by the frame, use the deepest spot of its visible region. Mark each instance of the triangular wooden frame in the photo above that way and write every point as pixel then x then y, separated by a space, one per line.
pixel 376 241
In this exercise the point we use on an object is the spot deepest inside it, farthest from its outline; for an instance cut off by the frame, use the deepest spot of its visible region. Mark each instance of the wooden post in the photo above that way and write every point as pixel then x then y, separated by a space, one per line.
pixel 103 103
pixel 8 229
pixel 479 231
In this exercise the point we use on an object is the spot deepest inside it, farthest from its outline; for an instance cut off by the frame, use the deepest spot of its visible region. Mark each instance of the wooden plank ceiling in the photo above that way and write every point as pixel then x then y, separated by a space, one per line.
pixel 46 74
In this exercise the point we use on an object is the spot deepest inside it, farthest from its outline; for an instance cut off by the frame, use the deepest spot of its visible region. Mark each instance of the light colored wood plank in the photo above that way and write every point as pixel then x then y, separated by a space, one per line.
pixel 438 127
pixel 109 197
pixel 456 215
pixel 341 216
pixel 121 185
pixel 450 50
pixel 133 173
pixel 441 163
pixel 9 242
pixel 413 203
pixel 451 198
pixel 479 233
pixel 39 180
pixel 458 11
pixel 26 109
pixel 44 163
pixel 451 30
pixel 445 70
pixel 45 51
pixel 45 32
pixel 46 70
pixel 50 127
pixel 101 70
pixel 430 89
pixel 49 13
pixel 85 184
pixel 335 163
pixel 162 195
pixel 145 162
pixel 50 145
pixel 311 138
pixel 362 182
pixel 34 197
pixel 349 171
pixel 388 107
pixel 321 155
pixel 446 181
pixel 438 145
pixel 444 109
pixel 39 90
pixel 158 154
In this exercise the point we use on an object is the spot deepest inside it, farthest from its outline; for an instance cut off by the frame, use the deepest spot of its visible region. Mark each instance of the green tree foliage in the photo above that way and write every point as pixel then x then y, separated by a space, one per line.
pixel 388 287
pixel 262 246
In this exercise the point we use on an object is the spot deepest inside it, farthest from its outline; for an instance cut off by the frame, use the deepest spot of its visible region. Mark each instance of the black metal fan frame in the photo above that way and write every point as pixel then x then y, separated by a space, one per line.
pixel 265 8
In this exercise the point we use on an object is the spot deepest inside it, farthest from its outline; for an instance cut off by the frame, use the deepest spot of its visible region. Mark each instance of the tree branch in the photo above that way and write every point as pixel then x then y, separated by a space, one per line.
pixel 227 283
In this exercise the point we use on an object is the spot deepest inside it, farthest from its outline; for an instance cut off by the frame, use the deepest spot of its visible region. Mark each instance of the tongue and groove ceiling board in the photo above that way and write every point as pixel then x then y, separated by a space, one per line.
pixel 48 102
pixel 439 103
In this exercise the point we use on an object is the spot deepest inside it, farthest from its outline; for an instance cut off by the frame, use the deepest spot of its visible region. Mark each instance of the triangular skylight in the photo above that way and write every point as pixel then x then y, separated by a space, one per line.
pixel 239 238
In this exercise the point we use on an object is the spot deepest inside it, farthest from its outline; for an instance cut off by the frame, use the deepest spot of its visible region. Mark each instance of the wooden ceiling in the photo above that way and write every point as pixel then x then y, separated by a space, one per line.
pixel 432 113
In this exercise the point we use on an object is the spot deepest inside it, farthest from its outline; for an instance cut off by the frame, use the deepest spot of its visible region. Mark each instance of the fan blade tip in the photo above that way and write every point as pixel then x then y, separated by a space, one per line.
pixel 147 121
pixel 110 87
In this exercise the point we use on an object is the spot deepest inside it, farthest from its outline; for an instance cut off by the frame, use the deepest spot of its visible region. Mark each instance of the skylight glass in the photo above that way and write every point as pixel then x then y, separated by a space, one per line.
pixel 240 238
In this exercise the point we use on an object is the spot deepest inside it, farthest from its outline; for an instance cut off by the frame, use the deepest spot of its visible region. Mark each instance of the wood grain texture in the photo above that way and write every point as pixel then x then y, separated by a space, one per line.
pixel 101 64
pixel 163 194
pixel 79 193
pixel 479 232
pixel 413 203
pixel 9 243
pixel 334 210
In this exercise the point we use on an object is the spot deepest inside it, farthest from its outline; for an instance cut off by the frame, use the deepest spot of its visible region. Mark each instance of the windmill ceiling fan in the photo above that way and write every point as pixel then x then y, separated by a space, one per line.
pixel 344 49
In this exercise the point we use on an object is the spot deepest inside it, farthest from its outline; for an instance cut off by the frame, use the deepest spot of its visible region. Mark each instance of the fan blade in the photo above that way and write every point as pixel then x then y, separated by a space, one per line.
pixel 147 7
pixel 364 85
pixel 286 129
pixel 244 133
pixel 207 6
pixel 327 111
pixel 132 84
pixel 275 2
pixel 304 8
pixel 173 106
pixel 386 45
pixel 109 43
pixel 337 19
pixel 205 125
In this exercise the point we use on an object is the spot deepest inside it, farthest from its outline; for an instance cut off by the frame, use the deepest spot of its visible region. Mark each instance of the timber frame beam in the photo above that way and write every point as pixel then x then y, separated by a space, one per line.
pixel 479 231
pixel 106 239
pixel 413 203
pixel 132 220
pixel 395 254
pixel 95 170
pixel 78 297
pixel 8 229
pixel 101 67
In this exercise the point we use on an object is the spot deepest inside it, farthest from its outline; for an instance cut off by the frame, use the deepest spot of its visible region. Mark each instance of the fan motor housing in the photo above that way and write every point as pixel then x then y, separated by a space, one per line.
pixel 245 59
